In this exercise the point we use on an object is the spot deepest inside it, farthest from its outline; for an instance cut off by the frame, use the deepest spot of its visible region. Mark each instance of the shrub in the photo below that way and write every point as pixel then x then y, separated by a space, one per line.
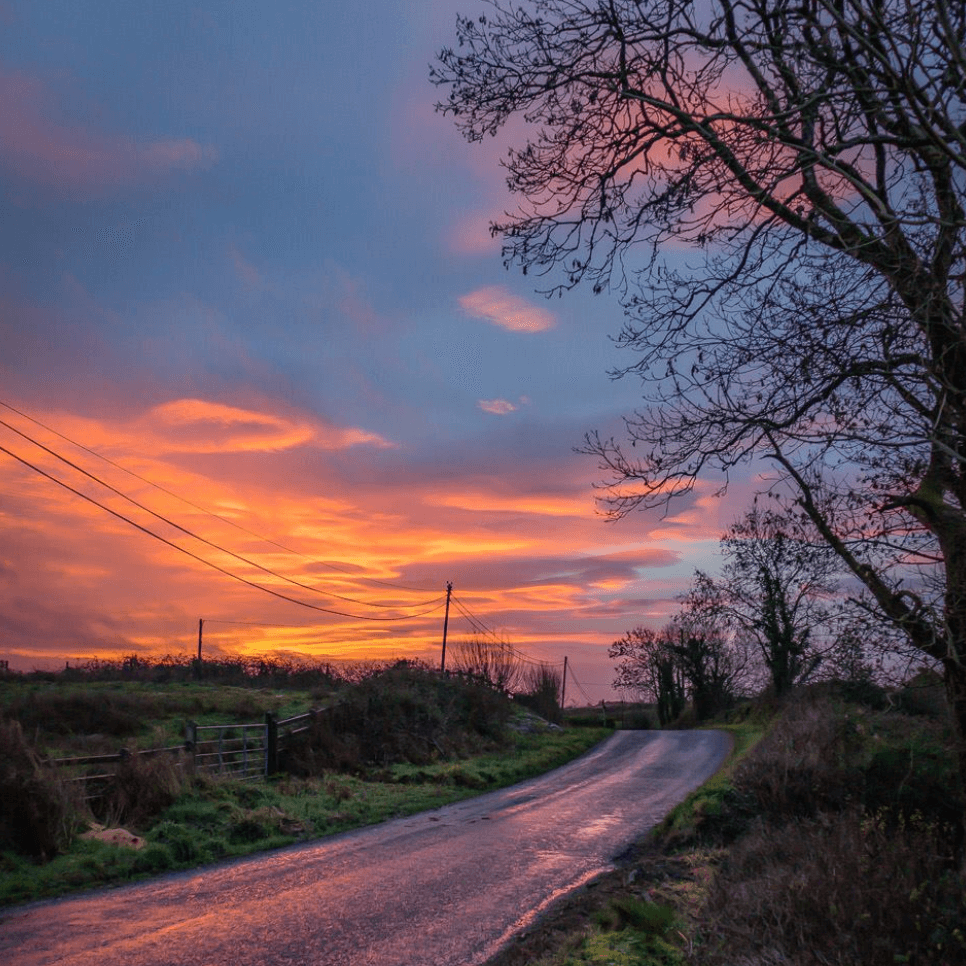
pixel 851 889
pixel 144 786
pixel 247 829
pixel 76 711
pixel 802 766
pixel 630 912
pixel 37 814
pixel 541 692
pixel 405 713
pixel 153 858
pixel 185 845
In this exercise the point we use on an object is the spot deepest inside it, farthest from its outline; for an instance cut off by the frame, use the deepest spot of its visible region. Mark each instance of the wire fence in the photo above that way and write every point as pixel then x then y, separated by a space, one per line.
pixel 244 751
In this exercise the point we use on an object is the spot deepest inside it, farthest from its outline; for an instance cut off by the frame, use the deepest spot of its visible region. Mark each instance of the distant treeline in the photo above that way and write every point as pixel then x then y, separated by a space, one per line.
pixel 259 672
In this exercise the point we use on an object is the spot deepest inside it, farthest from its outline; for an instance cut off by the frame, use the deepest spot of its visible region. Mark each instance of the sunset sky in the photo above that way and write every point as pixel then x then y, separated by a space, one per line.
pixel 247 268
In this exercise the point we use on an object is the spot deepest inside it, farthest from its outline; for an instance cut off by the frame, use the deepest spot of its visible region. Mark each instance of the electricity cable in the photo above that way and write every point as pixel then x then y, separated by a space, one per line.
pixel 202 509
pixel 204 540
pixel 481 628
pixel 573 677
pixel 207 563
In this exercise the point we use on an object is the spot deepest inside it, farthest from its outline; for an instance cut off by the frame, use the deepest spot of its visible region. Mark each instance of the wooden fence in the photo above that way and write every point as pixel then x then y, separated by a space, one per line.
pixel 243 751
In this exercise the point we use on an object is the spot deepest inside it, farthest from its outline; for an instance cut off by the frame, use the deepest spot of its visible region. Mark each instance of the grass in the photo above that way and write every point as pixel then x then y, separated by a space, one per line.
pixel 706 806
pixel 100 717
pixel 214 820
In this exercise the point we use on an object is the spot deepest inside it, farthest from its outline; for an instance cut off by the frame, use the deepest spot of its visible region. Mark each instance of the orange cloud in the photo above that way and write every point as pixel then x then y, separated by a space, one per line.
pixel 540 504
pixel 201 426
pixel 496 305
pixel 366 534
pixel 41 152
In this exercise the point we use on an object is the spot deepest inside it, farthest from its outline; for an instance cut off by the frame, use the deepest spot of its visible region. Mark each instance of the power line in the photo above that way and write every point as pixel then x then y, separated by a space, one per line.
pixel 207 563
pixel 481 628
pixel 580 687
pixel 204 540
pixel 219 620
pixel 201 509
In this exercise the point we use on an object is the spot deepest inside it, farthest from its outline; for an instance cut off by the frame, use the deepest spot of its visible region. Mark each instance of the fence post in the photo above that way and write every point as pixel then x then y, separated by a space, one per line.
pixel 271 744
pixel 191 741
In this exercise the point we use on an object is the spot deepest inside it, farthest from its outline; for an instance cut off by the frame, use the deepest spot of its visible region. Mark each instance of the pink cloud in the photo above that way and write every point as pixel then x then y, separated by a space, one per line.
pixel 496 305
pixel 471 235
pixel 42 152
pixel 499 407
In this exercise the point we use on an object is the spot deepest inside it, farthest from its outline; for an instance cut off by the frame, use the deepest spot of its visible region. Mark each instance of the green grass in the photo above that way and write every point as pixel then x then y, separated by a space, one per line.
pixel 706 804
pixel 222 819
pixel 101 717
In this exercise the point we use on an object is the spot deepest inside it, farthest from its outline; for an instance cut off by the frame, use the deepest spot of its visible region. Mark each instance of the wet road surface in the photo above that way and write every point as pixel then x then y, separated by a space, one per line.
pixel 442 888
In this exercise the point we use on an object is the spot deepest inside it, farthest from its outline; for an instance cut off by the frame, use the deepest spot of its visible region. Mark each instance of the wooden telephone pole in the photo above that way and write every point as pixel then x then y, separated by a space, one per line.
pixel 449 593
pixel 201 624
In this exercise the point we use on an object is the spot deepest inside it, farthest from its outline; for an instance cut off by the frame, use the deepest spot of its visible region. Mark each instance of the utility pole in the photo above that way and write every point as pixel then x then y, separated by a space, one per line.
pixel 563 687
pixel 449 593
pixel 201 624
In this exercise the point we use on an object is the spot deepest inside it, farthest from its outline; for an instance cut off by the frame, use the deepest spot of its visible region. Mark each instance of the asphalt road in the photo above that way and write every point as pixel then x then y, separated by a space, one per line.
pixel 443 888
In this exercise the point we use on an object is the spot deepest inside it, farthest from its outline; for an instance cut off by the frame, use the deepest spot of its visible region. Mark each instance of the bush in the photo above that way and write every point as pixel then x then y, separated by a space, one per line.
pixel 802 766
pixel 541 692
pixel 37 814
pixel 75 711
pixel 153 858
pixel 143 787
pixel 406 713
pixel 852 889
pixel 185 845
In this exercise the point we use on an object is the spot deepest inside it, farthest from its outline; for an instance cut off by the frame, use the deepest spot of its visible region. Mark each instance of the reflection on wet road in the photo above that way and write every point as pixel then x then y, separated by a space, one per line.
pixel 443 887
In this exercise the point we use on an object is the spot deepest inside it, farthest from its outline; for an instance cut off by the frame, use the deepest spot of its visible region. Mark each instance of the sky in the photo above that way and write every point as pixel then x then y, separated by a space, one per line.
pixel 251 312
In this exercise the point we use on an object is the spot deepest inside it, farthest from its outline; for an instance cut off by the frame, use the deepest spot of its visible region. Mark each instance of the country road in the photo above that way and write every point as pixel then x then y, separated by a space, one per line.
pixel 443 888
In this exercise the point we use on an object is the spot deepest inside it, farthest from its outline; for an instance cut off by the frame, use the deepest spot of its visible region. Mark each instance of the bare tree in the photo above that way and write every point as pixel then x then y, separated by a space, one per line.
pixel 647 666
pixel 813 154
pixel 692 657
pixel 494 662
pixel 541 687
pixel 778 590
pixel 712 661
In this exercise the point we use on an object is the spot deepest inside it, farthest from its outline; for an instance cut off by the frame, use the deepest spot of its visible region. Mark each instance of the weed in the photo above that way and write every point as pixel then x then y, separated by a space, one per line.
pixel 143 787
pixel 153 858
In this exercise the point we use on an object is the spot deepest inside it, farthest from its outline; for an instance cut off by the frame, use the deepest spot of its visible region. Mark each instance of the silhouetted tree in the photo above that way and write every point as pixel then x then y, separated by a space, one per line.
pixel 647 666
pixel 709 658
pixel 814 153
pixel 692 657
pixel 777 586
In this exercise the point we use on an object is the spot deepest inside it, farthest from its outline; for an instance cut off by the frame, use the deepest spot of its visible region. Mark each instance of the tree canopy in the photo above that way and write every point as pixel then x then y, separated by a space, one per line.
pixel 776 191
